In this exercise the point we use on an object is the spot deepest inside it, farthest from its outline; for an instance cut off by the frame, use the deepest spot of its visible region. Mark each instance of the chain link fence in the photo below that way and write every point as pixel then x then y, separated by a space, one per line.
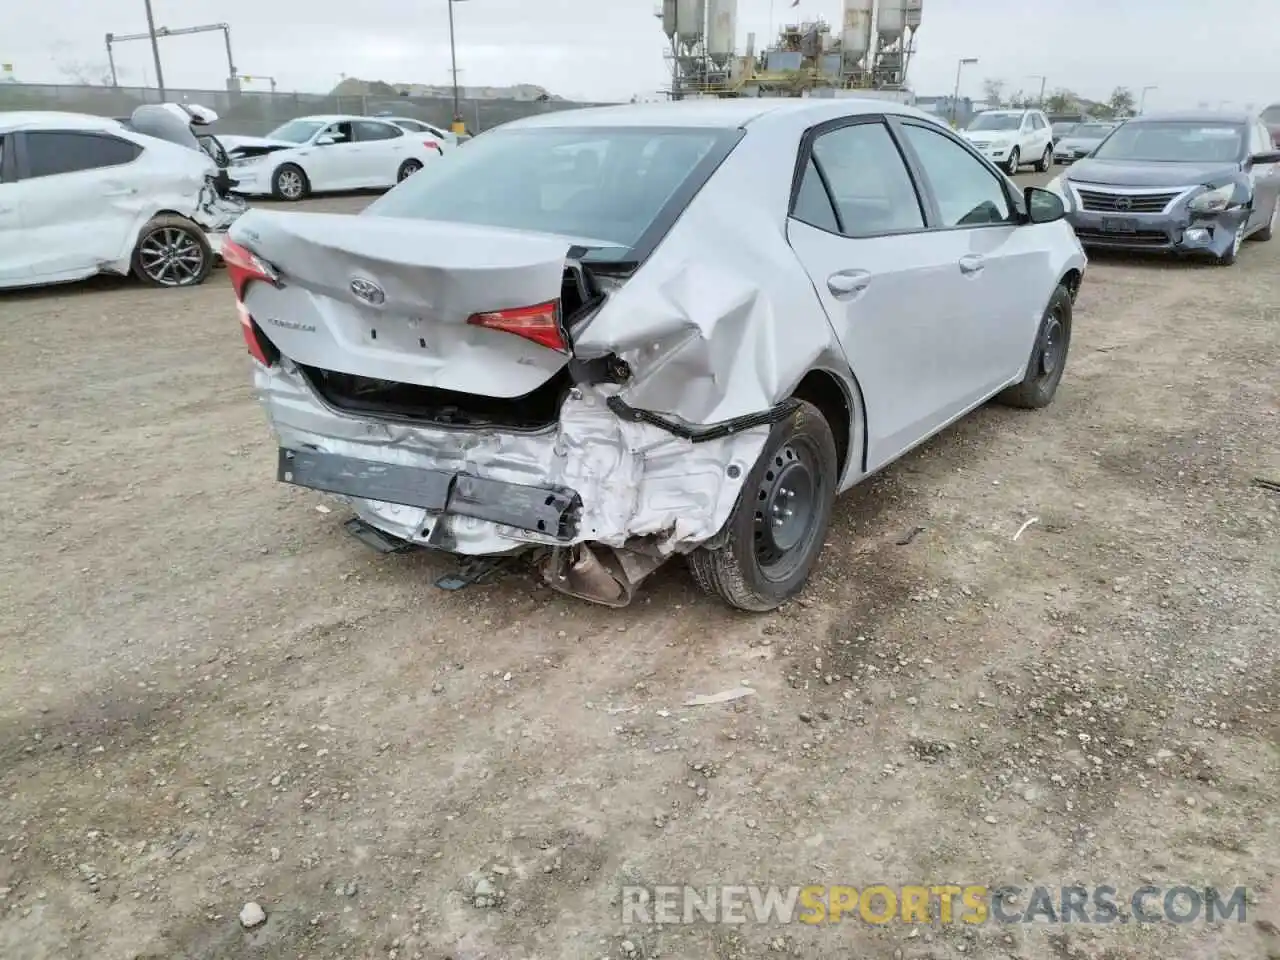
pixel 254 113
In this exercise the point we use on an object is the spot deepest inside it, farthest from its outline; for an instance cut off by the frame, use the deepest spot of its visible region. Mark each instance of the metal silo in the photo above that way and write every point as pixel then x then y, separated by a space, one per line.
pixel 913 14
pixel 669 17
pixel 891 21
pixel 855 38
pixel 691 21
pixel 722 29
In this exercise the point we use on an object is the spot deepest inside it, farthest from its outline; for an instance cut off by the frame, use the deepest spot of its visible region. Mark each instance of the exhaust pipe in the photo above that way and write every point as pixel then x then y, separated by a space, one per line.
pixel 609 577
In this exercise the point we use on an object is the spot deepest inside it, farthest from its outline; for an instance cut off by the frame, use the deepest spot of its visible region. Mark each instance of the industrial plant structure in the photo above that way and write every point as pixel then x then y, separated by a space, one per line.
pixel 869 52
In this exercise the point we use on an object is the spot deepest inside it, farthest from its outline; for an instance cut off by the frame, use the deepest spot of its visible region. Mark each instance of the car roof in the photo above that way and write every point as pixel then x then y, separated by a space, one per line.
pixel 334 118
pixel 54 120
pixel 726 113
pixel 1196 116
pixel 1018 110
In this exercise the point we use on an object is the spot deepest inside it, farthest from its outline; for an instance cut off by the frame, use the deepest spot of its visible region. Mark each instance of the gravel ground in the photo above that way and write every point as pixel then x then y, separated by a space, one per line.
pixel 216 707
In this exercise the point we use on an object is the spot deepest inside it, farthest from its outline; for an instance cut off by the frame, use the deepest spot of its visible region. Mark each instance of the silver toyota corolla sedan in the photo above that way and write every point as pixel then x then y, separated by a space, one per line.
pixel 606 337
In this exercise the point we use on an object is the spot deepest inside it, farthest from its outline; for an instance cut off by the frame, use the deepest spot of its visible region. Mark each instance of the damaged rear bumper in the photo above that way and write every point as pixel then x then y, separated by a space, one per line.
pixel 595 477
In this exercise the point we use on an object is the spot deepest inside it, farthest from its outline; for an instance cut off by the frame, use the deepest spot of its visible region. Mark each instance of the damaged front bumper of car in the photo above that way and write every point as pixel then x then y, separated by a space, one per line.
pixel 604 496
pixel 1177 231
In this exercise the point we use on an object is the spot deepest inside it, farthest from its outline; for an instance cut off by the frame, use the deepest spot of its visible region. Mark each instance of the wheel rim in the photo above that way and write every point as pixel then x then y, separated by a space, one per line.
pixel 290 184
pixel 787 509
pixel 1052 348
pixel 171 257
pixel 1013 160
pixel 409 169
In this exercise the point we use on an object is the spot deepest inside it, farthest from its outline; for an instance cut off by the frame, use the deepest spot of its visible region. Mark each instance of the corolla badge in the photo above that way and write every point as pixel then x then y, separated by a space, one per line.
pixel 367 290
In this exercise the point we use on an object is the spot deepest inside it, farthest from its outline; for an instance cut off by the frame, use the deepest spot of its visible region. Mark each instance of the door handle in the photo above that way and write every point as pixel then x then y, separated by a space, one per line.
pixel 848 283
pixel 972 263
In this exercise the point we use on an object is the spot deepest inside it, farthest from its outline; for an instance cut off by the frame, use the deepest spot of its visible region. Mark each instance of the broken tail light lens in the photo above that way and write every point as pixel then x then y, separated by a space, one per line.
pixel 243 268
pixel 539 323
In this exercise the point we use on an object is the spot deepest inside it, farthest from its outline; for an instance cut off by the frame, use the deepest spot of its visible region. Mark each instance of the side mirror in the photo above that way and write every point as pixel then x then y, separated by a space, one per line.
pixel 1270 156
pixel 325 141
pixel 1043 206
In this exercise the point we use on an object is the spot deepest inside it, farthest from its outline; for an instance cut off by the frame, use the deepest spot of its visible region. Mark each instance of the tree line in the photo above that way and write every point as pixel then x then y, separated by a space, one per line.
pixel 1121 103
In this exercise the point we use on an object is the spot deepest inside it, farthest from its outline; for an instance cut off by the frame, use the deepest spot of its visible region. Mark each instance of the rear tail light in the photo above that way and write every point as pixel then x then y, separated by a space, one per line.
pixel 432 145
pixel 539 323
pixel 244 268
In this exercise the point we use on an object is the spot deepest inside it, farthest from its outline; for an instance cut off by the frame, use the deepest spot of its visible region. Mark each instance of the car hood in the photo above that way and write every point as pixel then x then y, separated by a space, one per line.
pixel 988 134
pixel 1079 143
pixel 1129 173
pixel 232 144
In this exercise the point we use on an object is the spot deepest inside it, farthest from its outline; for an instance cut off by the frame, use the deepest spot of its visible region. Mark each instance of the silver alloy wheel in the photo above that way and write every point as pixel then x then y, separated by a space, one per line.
pixel 171 257
pixel 289 182
pixel 409 169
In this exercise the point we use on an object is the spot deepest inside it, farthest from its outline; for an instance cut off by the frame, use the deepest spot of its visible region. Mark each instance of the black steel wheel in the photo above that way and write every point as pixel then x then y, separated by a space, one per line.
pixel 1048 358
pixel 776 531
pixel 172 252
pixel 408 169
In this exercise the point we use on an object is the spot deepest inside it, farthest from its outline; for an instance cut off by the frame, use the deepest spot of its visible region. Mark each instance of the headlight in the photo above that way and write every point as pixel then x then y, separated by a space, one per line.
pixel 1055 186
pixel 1213 201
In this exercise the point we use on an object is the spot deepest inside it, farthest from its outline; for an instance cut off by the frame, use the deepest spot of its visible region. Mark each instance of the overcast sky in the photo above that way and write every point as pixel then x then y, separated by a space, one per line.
pixel 1193 50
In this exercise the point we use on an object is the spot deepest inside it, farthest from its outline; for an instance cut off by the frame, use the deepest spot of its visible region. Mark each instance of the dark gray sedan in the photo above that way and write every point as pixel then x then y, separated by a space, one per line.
pixel 1194 183
pixel 1081 140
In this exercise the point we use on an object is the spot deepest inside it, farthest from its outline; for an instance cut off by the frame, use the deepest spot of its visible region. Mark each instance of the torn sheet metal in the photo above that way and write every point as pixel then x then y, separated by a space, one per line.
pixel 704 328
pixel 634 480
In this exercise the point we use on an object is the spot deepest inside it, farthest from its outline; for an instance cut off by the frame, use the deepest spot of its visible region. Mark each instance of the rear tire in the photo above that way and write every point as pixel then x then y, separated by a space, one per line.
pixel 778 526
pixel 290 183
pixel 1048 357
pixel 408 169
pixel 1045 161
pixel 1015 161
pixel 172 252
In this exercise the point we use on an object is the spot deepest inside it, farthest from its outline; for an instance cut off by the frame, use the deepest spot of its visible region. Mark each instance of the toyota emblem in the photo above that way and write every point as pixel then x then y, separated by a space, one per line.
pixel 367 290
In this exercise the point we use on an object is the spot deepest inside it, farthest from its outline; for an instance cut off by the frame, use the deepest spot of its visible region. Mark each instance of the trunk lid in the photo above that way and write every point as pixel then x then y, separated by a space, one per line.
pixel 389 299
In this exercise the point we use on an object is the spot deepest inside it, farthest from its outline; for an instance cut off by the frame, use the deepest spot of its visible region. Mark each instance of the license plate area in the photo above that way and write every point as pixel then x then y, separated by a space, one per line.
pixel 1119 225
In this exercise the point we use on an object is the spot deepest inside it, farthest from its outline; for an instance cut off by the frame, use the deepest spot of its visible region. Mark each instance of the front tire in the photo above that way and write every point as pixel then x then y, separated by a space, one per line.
pixel 290 183
pixel 1233 252
pixel 779 524
pixel 1015 161
pixel 1046 160
pixel 172 252
pixel 1048 357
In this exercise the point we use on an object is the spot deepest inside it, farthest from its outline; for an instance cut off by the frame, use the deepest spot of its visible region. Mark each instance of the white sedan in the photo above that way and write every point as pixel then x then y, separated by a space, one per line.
pixel 82 195
pixel 329 153
pixel 445 139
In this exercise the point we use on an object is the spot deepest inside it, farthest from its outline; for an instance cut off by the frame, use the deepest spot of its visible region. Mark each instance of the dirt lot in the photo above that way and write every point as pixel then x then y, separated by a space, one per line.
pixel 210 695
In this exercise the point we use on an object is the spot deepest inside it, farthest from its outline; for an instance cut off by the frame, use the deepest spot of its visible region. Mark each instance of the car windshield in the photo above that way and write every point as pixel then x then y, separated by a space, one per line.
pixel 296 131
pixel 1091 131
pixel 1063 127
pixel 1271 115
pixel 1174 142
pixel 600 187
pixel 996 121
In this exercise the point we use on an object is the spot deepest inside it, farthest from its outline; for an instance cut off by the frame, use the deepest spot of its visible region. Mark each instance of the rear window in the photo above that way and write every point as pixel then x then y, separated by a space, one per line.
pixel 601 188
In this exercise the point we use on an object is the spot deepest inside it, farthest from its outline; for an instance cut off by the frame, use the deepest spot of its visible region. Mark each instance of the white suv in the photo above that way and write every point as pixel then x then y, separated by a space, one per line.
pixel 1013 138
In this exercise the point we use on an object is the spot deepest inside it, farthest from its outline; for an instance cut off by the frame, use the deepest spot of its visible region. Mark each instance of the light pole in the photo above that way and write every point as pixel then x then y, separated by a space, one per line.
pixel 1143 101
pixel 155 47
pixel 1043 80
pixel 955 98
pixel 458 125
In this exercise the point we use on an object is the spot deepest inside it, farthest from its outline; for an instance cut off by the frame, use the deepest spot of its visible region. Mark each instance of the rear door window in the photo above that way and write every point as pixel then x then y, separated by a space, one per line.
pixel 51 153
pixel 870 187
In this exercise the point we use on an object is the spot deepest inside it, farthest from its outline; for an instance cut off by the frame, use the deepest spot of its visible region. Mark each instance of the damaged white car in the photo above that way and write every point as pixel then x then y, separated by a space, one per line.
pixel 82 195
pixel 614 335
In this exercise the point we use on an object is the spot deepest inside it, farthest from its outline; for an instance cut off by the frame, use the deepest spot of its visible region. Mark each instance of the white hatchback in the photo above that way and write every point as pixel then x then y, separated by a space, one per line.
pixel 1012 138
pixel 81 195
